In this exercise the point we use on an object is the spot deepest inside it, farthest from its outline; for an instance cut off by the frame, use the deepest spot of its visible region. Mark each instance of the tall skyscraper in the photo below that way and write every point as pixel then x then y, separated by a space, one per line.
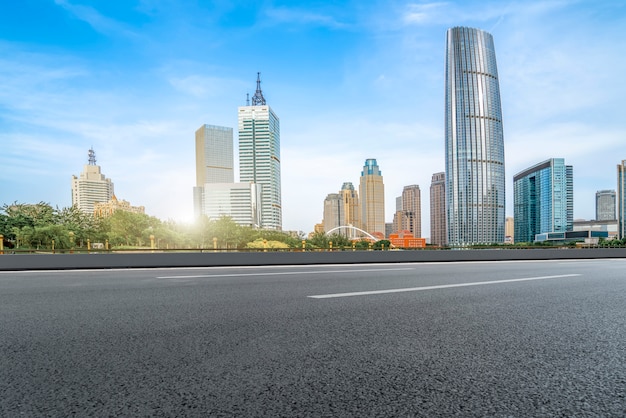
pixel 350 199
pixel 259 155
pixel 214 161
pixel 474 139
pixel 605 205
pixel 621 200
pixel 412 209
pixel 334 212
pixel 438 231
pixel 543 199
pixel 372 195
pixel 91 187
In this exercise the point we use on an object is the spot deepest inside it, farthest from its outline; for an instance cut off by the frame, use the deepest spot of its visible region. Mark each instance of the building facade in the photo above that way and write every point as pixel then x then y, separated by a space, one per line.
pixel 412 210
pixel 238 201
pixel 259 156
pixel 91 186
pixel 372 196
pixel 214 161
pixel 106 209
pixel 605 205
pixel 334 212
pixel 621 200
pixel 475 182
pixel 438 230
pixel 351 208
pixel 543 200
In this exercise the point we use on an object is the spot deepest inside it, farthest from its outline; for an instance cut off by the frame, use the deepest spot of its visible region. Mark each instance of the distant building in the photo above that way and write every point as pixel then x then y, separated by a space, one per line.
pixel 412 209
pixel 621 200
pixel 438 230
pixel 334 212
pixel 610 227
pixel 259 155
pixel 106 209
pixel 238 201
pixel 405 239
pixel 91 187
pixel 372 197
pixel 509 230
pixel 605 205
pixel 543 199
pixel 475 182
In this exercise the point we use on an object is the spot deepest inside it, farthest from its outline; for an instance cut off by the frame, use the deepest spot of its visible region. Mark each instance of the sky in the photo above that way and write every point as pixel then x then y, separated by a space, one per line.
pixel 349 80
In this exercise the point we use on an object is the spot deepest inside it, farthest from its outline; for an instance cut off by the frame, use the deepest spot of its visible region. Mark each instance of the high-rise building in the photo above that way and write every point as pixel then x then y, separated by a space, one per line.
pixel 372 195
pixel 621 200
pixel 438 231
pixel 509 229
pixel 214 161
pixel 334 212
pixel 412 210
pixel 259 155
pixel 91 187
pixel 543 199
pixel 474 139
pixel 238 201
pixel 605 205
pixel 350 199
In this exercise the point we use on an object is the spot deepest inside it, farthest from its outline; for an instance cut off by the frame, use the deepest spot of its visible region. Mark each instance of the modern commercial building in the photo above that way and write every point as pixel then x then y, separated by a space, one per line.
pixel 372 195
pixel 543 200
pixel 621 200
pixel 412 209
pixel 438 231
pixel 334 212
pixel 91 187
pixel 509 230
pixel 259 155
pixel 350 199
pixel 475 180
pixel 238 201
pixel 605 205
pixel 609 227
pixel 214 160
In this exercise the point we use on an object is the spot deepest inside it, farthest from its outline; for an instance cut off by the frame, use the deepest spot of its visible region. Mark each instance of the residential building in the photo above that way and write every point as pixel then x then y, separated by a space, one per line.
pixel 543 200
pixel 475 182
pixel 259 155
pixel 91 186
pixel 412 210
pixel 372 196
pixel 621 200
pixel 438 230
pixel 605 205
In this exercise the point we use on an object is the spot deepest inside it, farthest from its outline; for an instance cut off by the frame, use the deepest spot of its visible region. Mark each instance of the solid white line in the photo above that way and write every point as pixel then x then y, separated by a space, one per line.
pixel 442 286
pixel 281 273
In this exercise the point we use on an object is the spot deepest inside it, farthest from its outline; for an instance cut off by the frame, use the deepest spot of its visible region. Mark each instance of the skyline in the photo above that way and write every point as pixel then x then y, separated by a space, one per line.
pixel 350 82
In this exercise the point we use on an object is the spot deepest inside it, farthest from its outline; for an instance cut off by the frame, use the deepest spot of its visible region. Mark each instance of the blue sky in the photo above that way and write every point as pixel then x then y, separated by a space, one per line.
pixel 349 80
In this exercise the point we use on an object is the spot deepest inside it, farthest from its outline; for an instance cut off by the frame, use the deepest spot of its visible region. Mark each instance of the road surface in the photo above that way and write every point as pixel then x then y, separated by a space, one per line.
pixel 503 339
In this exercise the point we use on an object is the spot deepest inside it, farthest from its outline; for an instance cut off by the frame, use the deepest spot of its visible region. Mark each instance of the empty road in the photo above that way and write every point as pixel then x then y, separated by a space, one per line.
pixel 503 339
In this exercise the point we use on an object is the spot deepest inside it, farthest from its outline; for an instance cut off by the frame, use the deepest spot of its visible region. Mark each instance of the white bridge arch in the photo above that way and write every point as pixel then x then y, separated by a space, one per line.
pixel 352 228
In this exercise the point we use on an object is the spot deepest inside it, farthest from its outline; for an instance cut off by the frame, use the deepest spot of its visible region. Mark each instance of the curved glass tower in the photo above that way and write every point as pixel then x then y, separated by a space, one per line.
pixel 474 140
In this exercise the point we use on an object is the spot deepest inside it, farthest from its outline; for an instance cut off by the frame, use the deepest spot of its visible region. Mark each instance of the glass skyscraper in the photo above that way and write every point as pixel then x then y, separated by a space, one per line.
pixel 259 156
pixel 474 140
pixel 543 199
pixel 621 200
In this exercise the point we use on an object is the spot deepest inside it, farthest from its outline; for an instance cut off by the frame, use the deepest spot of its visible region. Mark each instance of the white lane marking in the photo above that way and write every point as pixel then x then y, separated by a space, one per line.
pixel 282 273
pixel 442 286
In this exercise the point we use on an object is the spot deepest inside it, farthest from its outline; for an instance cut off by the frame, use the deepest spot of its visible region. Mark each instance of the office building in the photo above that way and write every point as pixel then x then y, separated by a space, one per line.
pixel 509 230
pixel 438 230
pixel 372 196
pixel 238 201
pixel 259 155
pixel 474 140
pixel 412 210
pixel 91 186
pixel 543 200
pixel 334 213
pixel 621 200
pixel 351 207
pixel 214 160
pixel 605 205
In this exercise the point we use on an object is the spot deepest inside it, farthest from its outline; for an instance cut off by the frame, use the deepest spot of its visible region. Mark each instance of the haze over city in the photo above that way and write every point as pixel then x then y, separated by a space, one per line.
pixel 349 81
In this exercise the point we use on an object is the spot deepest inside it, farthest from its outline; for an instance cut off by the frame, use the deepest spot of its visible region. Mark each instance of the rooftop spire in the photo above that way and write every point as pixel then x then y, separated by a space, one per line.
pixel 258 99
pixel 92 156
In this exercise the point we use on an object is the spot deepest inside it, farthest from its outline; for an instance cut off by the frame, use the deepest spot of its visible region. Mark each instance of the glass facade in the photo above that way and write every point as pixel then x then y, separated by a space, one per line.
pixel 605 205
pixel 259 159
pixel 543 200
pixel 621 200
pixel 475 183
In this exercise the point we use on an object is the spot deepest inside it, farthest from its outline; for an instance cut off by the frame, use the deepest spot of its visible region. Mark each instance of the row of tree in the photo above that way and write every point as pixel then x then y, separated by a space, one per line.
pixel 41 226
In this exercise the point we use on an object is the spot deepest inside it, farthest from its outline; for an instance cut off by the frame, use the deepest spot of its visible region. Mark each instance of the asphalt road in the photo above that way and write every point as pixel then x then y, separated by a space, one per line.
pixel 442 339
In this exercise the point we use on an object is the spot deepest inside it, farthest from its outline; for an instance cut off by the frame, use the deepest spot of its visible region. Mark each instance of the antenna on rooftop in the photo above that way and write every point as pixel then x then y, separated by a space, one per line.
pixel 247 99
pixel 92 156
pixel 258 99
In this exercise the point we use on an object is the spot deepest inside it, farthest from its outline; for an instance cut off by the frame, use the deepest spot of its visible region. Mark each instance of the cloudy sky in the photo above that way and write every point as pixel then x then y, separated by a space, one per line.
pixel 349 80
